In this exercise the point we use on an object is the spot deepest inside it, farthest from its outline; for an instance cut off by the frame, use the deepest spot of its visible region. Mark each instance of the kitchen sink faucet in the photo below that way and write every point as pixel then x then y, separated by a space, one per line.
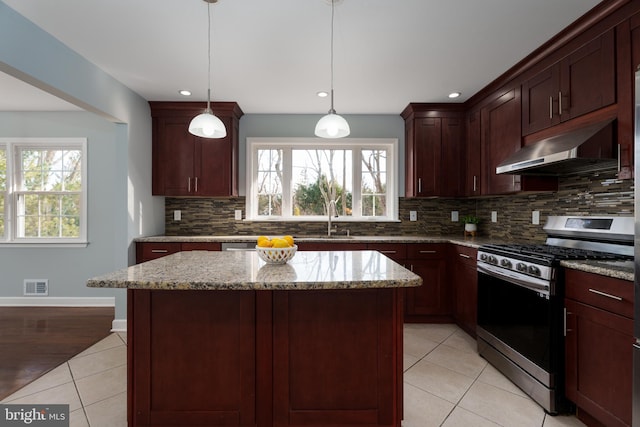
pixel 332 212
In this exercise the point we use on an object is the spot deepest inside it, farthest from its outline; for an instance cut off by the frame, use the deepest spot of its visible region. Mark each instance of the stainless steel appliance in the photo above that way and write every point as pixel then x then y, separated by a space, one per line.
pixel 520 300
pixel 636 317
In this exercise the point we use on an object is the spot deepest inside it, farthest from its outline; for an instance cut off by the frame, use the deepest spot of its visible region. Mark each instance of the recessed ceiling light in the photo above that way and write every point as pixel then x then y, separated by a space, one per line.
pixel 454 94
pixel 185 92
pixel 323 94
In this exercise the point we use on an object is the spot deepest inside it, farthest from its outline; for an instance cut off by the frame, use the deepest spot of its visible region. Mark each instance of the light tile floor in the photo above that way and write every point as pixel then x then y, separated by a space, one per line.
pixel 446 384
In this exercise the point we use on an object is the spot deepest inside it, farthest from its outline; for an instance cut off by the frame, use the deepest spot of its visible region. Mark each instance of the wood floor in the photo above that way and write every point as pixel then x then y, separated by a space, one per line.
pixel 34 340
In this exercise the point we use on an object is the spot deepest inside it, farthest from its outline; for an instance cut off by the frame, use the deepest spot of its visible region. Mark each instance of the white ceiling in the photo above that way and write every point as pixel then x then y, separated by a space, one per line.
pixel 273 56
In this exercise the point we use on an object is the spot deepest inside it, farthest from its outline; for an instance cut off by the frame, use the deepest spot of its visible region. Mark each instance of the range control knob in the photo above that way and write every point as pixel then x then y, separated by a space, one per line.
pixel 521 266
pixel 533 270
pixel 483 257
pixel 505 263
pixel 492 259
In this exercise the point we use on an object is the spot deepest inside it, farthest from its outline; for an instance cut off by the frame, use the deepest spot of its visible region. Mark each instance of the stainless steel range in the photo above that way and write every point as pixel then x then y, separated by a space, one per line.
pixel 521 322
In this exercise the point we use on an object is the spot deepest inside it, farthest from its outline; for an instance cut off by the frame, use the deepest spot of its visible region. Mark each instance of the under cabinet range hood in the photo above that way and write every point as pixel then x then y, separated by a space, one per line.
pixel 585 149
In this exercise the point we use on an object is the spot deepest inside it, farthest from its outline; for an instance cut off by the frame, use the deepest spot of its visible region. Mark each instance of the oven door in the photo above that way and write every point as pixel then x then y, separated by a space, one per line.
pixel 520 333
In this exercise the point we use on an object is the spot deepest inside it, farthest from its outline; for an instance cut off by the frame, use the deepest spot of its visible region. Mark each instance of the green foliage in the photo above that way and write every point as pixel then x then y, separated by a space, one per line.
pixel 470 219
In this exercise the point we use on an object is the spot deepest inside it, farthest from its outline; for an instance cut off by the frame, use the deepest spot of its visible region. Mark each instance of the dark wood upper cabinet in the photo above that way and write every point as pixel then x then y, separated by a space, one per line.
pixel 582 82
pixel 187 165
pixel 472 176
pixel 434 150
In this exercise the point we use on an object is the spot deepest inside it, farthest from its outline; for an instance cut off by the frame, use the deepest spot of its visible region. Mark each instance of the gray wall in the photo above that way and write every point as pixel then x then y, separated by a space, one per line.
pixel 32 55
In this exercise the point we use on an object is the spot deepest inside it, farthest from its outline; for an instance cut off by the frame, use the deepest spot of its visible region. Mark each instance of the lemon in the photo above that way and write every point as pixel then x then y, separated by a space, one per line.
pixel 265 243
pixel 279 243
pixel 289 240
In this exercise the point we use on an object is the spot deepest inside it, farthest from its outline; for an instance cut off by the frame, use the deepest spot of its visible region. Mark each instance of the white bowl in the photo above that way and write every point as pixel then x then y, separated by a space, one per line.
pixel 276 255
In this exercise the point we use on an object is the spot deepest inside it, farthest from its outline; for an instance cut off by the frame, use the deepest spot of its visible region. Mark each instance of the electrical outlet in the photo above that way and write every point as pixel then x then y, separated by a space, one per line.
pixel 535 217
pixel 454 216
pixel 413 215
pixel 177 215
pixel 494 216
pixel 238 214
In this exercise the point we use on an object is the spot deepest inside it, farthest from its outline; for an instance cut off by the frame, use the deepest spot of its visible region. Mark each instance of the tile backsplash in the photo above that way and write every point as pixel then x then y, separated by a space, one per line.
pixel 596 194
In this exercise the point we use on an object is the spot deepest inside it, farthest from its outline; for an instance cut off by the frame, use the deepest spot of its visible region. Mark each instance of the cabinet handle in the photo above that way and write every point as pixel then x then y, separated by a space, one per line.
pixel 465 256
pixel 565 314
pixel 196 179
pixel 428 252
pixel 159 251
pixel 189 185
pixel 551 107
pixel 475 183
pixel 604 294
pixel 388 252
pixel 560 103
pixel 419 185
pixel 619 167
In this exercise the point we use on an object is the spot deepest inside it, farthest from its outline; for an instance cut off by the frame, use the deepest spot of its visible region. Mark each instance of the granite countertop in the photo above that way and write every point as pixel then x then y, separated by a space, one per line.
pixel 617 269
pixel 244 270
pixel 474 242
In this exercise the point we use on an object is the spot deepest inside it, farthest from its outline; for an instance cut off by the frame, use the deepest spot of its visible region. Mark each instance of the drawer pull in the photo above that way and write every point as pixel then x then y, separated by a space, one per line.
pixel 388 252
pixel 464 256
pixel 604 294
pixel 428 252
pixel 159 251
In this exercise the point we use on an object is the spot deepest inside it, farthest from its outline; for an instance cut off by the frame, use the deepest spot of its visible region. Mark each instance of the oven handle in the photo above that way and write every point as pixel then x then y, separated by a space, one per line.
pixel 514 278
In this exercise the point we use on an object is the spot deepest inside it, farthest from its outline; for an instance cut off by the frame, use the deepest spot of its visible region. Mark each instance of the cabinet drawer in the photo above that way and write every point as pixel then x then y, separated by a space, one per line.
pixel 395 251
pixel 465 255
pixel 425 251
pixel 149 251
pixel 607 293
pixel 200 246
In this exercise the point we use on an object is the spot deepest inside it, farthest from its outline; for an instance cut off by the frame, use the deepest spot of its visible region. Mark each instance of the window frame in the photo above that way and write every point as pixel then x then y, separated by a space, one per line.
pixel 253 144
pixel 12 147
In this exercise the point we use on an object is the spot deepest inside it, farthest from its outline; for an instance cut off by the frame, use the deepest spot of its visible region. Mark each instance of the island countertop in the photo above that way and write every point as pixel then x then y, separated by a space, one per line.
pixel 244 270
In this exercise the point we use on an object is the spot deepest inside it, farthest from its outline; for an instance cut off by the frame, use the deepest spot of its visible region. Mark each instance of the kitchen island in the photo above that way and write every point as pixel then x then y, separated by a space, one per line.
pixel 223 339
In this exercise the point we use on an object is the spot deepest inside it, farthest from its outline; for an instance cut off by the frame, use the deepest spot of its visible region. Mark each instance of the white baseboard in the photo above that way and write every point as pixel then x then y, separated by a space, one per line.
pixel 119 325
pixel 57 301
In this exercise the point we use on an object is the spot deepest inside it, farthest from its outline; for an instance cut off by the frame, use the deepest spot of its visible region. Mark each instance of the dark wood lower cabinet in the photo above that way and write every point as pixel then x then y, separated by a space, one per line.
pixel 265 358
pixel 598 348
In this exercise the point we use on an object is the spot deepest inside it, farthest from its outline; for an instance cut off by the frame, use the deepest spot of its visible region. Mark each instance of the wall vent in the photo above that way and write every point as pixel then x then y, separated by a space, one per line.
pixel 36 287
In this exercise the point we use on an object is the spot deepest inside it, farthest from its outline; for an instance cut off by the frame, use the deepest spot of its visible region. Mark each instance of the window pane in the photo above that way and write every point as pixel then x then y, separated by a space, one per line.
pixel 51 170
pixel 374 182
pixel 269 184
pixel 319 176
pixel 3 169
pixel 49 215
pixel 2 211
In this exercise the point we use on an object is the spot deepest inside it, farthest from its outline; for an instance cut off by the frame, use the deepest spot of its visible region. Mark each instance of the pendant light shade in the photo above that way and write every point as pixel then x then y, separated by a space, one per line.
pixel 332 125
pixel 207 125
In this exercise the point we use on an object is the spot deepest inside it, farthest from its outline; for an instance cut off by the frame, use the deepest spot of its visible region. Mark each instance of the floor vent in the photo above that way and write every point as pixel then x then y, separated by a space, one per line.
pixel 36 287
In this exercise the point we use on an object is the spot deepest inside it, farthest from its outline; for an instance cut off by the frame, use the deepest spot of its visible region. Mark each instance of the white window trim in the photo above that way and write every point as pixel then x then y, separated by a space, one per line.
pixel 255 143
pixel 10 238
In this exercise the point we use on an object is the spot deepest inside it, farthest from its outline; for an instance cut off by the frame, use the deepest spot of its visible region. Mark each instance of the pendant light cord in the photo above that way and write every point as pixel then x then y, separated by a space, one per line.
pixel 333 2
pixel 209 56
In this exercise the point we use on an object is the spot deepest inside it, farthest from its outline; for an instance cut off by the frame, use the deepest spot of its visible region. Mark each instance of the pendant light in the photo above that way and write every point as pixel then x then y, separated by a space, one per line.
pixel 207 125
pixel 332 125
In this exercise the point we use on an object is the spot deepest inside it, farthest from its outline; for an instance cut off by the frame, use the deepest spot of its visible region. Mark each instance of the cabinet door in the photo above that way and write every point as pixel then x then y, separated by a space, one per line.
pixel 464 277
pixel 598 363
pixel 173 157
pixel 196 362
pixel 540 100
pixel 428 144
pixel 587 79
pixel 214 165
pixel 430 302
pixel 452 159
pixel 500 138
pixel 395 251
